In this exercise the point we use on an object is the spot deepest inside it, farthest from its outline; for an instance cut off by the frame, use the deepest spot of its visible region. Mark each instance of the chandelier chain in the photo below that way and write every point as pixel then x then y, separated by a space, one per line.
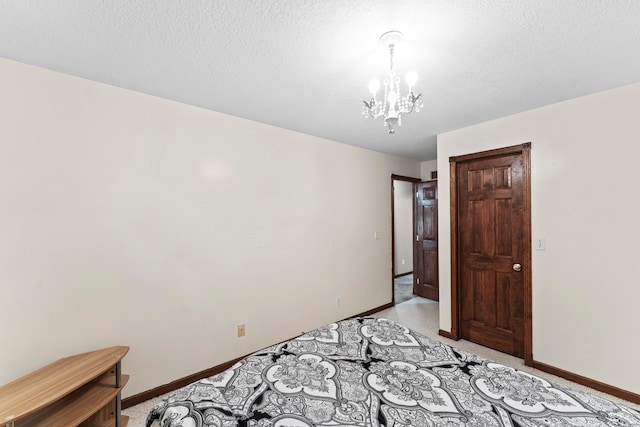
pixel 391 51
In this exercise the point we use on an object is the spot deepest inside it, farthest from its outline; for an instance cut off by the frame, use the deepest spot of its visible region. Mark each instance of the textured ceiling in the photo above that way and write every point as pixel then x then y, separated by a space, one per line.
pixel 305 65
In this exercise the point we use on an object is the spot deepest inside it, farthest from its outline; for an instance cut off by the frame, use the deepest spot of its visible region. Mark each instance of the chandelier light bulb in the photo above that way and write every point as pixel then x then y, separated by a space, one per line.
pixel 411 78
pixel 374 85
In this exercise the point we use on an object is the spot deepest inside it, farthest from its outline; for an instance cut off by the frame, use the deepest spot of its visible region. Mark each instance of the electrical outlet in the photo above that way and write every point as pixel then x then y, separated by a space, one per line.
pixel 338 301
pixel 241 330
pixel 402 262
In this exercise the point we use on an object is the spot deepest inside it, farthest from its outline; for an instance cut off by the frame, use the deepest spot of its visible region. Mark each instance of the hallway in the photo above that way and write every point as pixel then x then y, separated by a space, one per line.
pixel 403 288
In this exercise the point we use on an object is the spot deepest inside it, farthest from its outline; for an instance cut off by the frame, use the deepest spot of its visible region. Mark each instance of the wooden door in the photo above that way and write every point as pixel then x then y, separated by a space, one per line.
pixel 425 266
pixel 494 248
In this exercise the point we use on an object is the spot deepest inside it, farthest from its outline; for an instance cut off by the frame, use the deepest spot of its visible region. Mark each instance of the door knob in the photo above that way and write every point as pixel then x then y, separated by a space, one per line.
pixel 517 267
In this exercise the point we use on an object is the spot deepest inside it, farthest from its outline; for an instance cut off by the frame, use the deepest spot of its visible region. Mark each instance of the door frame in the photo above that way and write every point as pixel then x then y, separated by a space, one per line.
pixel 525 150
pixel 393 229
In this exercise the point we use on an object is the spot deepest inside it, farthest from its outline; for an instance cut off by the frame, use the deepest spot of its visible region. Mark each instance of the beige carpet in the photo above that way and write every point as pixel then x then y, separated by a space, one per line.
pixel 421 315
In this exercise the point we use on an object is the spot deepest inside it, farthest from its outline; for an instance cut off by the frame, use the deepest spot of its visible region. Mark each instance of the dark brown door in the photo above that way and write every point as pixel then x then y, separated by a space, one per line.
pixel 491 242
pixel 425 280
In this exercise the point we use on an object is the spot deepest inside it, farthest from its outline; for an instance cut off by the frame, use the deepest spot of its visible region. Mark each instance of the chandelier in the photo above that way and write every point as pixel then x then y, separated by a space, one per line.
pixel 393 104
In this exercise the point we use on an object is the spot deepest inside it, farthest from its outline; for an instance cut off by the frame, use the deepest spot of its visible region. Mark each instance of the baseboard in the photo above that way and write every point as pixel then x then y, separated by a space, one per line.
pixel 174 385
pixel 596 385
pixel 403 274
pixel 372 311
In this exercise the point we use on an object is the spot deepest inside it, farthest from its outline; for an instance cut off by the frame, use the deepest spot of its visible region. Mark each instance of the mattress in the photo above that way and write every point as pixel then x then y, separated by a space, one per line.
pixel 373 372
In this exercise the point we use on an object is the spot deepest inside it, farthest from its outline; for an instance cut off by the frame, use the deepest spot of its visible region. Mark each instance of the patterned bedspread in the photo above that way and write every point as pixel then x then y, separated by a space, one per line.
pixel 373 372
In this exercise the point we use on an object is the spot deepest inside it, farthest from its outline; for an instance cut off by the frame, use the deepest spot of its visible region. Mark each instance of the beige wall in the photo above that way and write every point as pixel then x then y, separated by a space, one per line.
pixel 426 168
pixel 584 183
pixel 129 219
pixel 403 215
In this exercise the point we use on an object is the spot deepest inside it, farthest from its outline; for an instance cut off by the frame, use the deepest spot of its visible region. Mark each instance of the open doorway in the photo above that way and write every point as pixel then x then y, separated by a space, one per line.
pixel 402 217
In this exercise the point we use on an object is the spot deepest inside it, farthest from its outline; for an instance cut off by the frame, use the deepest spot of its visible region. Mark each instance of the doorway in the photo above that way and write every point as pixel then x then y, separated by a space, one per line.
pixel 402 231
pixel 491 249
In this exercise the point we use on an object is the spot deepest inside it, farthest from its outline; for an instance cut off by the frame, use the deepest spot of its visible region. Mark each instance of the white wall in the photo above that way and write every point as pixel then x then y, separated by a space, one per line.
pixel 584 183
pixel 129 219
pixel 403 216
pixel 426 168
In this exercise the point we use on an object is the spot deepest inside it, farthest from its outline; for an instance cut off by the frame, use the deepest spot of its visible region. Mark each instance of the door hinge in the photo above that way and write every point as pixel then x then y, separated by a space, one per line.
pixel 417 237
pixel 418 280
pixel 417 195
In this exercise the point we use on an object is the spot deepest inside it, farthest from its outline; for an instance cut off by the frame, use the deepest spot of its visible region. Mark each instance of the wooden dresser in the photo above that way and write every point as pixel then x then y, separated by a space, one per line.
pixel 82 390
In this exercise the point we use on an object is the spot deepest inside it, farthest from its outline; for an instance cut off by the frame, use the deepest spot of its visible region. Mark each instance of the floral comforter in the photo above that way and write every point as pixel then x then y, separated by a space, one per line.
pixel 370 372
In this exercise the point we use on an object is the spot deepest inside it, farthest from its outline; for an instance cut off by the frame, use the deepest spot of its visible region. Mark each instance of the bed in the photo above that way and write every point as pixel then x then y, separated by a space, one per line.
pixel 372 372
